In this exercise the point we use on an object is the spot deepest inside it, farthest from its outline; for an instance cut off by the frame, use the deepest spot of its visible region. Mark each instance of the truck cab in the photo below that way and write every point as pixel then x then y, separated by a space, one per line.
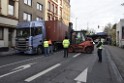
pixel 29 37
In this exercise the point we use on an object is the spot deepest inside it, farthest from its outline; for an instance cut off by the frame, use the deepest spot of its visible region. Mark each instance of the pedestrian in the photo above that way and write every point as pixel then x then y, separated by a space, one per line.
pixel 66 44
pixel 99 51
pixel 50 46
pixel 46 46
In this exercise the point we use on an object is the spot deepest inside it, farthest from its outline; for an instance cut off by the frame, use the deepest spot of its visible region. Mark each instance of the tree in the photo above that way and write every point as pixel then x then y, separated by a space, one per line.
pixel 107 29
pixel 111 31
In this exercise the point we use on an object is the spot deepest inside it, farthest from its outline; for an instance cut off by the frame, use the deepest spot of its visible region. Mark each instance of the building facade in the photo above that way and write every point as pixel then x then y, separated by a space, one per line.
pixel 66 11
pixel 57 10
pixel 14 11
pixel 30 10
pixel 51 9
pixel 8 22
pixel 120 33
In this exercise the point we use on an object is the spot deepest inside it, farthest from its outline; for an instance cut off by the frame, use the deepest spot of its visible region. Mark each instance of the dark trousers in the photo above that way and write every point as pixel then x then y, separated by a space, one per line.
pixel 99 51
pixel 65 52
pixel 46 51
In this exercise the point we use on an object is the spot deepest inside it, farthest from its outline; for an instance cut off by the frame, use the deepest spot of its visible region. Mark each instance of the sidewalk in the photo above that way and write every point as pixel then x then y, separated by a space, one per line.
pixel 117 54
pixel 10 52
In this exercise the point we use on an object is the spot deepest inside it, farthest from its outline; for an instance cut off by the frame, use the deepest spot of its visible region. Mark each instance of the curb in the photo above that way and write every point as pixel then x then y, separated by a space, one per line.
pixel 7 53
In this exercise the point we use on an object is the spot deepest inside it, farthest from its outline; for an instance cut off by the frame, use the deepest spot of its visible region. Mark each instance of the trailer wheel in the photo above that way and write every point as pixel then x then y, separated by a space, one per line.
pixel 39 50
pixel 55 48
pixel 88 50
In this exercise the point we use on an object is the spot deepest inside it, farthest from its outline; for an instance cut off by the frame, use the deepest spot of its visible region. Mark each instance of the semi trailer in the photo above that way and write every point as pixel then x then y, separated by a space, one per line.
pixel 30 35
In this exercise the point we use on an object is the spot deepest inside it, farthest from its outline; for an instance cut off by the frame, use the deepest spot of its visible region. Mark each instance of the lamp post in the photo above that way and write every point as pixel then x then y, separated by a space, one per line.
pixel 76 23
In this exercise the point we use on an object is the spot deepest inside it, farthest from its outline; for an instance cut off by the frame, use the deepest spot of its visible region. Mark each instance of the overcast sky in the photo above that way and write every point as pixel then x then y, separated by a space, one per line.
pixel 91 13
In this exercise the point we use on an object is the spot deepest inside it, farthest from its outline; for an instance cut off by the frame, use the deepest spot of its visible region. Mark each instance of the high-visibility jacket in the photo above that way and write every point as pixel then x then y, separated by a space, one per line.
pixel 45 44
pixel 66 43
pixel 100 45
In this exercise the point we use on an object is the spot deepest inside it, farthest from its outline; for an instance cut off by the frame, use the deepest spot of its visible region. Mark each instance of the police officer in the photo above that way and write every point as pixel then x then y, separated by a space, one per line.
pixel 66 44
pixel 46 46
pixel 99 51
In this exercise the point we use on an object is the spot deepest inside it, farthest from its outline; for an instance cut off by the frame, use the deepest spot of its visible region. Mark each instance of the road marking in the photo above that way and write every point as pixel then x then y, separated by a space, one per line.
pixel 24 66
pixel 20 68
pixel 19 62
pixel 82 77
pixel 42 73
pixel 76 55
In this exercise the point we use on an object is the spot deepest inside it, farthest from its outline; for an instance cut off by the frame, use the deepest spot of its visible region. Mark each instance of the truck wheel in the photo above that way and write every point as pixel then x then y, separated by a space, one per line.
pixel 39 50
pixel 88 50
pixel 55 48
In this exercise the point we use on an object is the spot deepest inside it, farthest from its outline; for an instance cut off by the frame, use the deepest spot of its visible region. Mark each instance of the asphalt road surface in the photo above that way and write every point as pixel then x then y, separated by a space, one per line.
pixel 77 68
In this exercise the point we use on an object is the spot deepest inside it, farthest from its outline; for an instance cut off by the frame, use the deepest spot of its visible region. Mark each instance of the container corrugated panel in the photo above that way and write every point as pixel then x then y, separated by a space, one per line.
pixel 56 30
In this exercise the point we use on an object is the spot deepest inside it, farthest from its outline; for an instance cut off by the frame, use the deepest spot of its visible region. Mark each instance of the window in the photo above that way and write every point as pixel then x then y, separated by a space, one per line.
pixel 56 10
pixel 38 19
pixel 48 17
pixel 60 2
pixel 39 7
pixel 23 32
pixel 122 32
pixel 61 12
pixel 26 17
pixel 0 6
pixel 1 33
pixel 11 7
pixel 36 31
pixel 52 8
pixel 48 5
pixel 28 2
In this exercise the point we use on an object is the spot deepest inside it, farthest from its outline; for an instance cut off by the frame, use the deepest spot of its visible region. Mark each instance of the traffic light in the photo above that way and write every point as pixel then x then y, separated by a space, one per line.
pixel 98 26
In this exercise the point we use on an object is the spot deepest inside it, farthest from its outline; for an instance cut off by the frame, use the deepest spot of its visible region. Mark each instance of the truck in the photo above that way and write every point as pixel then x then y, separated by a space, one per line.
pixel 120 33
pixel 30 35
pixel 80 42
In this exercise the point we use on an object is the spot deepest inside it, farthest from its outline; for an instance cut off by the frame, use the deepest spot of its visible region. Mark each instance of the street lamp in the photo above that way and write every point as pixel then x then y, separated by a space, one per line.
pixel 76 23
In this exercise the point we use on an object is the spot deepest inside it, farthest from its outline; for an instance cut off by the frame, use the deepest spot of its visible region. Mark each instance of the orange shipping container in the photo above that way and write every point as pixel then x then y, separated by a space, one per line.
pixel 56 30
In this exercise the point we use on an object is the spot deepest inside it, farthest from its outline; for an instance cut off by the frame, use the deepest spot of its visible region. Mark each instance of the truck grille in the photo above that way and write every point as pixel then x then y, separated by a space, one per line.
pixel 22 45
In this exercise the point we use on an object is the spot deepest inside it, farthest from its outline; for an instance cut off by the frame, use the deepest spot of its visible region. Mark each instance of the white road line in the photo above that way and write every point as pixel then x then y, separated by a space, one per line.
pixel 76 55
pixel 20 68
pixel 10 73
pixel 19 62
pixel 78 82
pixel 82 77
pixel 42 73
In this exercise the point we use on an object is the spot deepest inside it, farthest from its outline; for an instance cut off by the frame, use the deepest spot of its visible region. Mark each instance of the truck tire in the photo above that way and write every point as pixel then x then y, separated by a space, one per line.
pixel 55 48
pixel 88 50
pixel 39 50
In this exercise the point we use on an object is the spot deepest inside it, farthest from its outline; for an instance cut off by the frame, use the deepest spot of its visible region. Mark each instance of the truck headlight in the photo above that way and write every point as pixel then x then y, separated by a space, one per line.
pixel 30 48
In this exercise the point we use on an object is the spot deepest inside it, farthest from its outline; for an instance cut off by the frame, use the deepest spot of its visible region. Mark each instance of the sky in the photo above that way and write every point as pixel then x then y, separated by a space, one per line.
pixel 88 14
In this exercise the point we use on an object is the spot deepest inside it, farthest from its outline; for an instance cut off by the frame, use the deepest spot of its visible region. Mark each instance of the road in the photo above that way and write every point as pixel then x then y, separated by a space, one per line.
pixel 77 68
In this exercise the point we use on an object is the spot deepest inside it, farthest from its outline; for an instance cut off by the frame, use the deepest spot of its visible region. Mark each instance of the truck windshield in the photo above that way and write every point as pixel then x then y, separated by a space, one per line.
pixel 23 32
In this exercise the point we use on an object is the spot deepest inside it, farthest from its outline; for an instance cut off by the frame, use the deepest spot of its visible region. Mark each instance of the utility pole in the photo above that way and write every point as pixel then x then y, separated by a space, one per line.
pixel 76 23
pixel 87 26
